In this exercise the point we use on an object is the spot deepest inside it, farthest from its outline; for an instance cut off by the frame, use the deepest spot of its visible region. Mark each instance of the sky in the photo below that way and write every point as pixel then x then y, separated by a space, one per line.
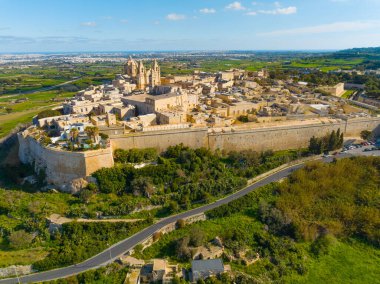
pixel 153 25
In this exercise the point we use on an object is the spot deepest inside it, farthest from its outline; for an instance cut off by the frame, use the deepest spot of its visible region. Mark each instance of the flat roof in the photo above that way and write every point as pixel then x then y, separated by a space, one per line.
pixel 207 265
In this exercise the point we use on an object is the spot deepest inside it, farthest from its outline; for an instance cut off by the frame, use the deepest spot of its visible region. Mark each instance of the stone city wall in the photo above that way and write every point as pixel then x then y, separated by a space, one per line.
pixel 62 167
pixel 161 140
pixel 259 139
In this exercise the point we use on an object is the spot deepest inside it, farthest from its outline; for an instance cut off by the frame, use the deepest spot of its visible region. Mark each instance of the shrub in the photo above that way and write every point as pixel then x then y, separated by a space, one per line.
pixel 48 113
pixel 20 239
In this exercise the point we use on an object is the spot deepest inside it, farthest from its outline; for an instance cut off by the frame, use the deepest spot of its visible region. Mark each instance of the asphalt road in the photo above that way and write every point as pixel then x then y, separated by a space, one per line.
pixel 120 248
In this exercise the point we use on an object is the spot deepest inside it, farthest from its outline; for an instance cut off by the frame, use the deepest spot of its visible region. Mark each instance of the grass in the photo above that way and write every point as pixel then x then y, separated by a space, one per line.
pixel 23 112
pixel 22 257
pixel 346 263
pixel 347 94
pixel 10 121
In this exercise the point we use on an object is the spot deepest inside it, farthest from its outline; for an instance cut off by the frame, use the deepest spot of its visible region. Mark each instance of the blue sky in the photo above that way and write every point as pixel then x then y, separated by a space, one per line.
pixel 121 25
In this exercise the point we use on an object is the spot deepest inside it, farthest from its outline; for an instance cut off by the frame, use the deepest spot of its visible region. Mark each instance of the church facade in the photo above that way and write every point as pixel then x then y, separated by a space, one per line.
pixel 142 77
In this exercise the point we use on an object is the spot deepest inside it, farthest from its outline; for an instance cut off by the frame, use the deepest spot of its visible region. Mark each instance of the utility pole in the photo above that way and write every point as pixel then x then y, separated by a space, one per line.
pixel 18 278
pixel 110 253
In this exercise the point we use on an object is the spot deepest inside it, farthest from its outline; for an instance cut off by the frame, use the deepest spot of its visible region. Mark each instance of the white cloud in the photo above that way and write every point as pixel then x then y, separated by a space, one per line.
pixel 88 24
pixel 280 11
pixel 252 13
pixel 207 11
pixel 235 6
pixel 175 17
pixel 124 21
pixel 353 26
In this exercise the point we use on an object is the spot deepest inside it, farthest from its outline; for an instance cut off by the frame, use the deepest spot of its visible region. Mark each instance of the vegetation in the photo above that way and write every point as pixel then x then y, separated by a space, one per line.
pixel 135 155
pixel 113 273
pixel 365 134
pixel 317 225
pixel 329 142
pixel 186 176
pixel 79 241
pixel 48 113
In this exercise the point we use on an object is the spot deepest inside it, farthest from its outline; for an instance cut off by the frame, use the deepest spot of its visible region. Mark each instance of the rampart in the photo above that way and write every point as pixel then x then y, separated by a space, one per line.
pixel 62 167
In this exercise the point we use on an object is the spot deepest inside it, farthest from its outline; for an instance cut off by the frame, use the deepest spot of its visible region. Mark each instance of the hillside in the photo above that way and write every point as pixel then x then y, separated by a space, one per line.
pixel 317 226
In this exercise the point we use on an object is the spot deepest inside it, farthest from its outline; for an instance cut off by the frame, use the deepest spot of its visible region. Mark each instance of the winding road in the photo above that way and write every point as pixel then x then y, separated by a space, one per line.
pixel 115 251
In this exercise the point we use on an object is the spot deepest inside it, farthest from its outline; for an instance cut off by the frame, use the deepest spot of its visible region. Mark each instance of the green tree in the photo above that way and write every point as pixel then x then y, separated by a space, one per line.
pixel 142 186
pixel 365 134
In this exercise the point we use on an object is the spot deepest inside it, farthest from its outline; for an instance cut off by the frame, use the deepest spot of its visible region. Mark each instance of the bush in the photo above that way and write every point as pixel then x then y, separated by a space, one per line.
pixel 135 155
pixel 323 244
pixel 48 113
pixel 181 223
pixel 20 239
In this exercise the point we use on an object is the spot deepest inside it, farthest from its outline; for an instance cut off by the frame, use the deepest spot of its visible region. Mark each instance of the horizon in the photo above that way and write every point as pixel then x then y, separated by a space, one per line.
pixel 41 26
pixel 173 51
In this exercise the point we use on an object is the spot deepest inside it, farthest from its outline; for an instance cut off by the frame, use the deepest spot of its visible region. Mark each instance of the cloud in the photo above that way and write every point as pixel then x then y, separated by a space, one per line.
pixel 207 11
pixel 235 6
pixel 175 17
pixel 88 24
pixel 252 13
pixel 124 21
pixel 280 11
pixel 336 27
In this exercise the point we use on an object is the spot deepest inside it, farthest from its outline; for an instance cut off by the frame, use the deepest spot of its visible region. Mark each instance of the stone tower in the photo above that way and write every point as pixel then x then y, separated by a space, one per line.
pixel 155 79
pixel 130 68
pixel 141 76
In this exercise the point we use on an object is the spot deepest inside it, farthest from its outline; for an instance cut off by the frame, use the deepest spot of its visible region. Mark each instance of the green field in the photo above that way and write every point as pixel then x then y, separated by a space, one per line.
pixel 347 262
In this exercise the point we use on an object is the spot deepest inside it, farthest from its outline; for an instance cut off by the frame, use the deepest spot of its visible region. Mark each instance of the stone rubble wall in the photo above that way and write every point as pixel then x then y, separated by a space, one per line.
pixel 15 270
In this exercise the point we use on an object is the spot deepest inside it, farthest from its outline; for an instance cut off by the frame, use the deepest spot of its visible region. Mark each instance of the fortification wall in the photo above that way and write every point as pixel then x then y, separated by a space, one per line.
pixel 259 139
pixel 161 140
pixel 276 138
pixel 355 126
pixel 61 166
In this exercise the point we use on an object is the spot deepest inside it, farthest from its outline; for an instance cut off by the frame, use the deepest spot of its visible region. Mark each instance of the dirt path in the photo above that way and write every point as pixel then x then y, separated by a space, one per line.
pixel 58 219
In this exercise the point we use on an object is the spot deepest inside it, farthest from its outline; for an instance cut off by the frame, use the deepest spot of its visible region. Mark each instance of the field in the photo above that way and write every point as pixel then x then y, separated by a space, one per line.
pixel 26 91
pixel 347 262
pixel 325 64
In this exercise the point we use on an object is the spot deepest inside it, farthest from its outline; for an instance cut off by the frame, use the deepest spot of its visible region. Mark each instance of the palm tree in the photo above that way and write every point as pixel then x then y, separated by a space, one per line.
pixel 74 132
pixel 92 131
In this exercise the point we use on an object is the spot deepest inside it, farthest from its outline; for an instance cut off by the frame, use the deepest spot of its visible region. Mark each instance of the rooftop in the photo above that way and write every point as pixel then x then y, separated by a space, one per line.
pixel 207 265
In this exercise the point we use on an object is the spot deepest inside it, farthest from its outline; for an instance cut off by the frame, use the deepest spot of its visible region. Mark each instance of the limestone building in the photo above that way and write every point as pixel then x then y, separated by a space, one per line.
pixel 142 77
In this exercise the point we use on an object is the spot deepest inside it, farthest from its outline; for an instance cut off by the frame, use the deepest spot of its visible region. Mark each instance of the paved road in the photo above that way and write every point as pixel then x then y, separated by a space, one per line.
pixel 120 248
